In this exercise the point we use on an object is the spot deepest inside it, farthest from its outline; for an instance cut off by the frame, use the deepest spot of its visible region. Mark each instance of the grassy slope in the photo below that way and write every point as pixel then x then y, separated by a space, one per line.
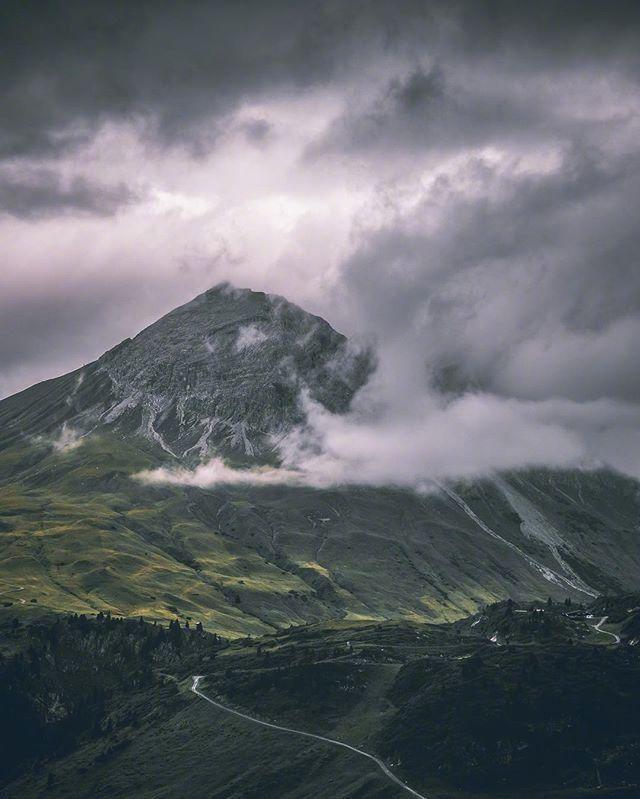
pixel 79 534
pixel 197 753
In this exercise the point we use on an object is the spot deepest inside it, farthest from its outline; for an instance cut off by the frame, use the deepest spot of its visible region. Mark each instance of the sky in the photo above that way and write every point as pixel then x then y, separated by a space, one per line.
pixel 457 182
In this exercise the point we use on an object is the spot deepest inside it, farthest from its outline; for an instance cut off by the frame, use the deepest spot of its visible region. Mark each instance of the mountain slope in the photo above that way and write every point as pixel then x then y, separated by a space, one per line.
pixel 222 374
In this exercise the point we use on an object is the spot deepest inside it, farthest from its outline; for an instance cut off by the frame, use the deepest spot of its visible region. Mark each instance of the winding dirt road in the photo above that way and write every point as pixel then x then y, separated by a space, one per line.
pixel 379 763
pixel 598 627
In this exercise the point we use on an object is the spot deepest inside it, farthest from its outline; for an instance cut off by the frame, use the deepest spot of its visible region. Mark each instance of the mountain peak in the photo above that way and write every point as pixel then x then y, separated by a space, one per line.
pixel 223 371
pixel 227 293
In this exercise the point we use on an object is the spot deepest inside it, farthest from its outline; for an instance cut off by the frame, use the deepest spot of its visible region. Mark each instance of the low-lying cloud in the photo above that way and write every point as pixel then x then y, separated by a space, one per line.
pixel 216 472
pixel 249 336
pixel 427 440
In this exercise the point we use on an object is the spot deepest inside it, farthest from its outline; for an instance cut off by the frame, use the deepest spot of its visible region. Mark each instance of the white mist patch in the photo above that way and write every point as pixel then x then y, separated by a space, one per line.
pixel 216 472
pixel 401 431
pixel 425 440
pixel 68 439
pixel 249 336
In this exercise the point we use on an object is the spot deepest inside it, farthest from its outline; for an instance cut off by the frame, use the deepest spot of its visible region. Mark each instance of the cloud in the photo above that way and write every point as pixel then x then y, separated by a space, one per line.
pixel 257 131
pixel 177 69
pixel 249 336
pixel 215 472
pixel 67 439
pixel 522 282
pixel 37 193
pixel 425 440
pixel 71 65
pixel 428 440
pixel 457 181
pixel 426 110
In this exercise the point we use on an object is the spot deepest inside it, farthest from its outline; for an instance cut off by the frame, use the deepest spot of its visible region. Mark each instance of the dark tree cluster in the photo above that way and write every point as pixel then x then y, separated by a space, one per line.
pixel 529 716
pixel 61 677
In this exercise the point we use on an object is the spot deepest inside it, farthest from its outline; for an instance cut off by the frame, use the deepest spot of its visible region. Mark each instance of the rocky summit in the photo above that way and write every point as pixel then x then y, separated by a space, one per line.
pixel 223 371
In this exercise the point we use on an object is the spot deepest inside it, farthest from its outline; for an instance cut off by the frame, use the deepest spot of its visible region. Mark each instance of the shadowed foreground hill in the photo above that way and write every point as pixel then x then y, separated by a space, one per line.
pixel 102 707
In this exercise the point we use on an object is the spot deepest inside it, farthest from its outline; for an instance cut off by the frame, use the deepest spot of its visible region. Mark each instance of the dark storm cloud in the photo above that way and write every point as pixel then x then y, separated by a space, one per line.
pixel 530 287
pixel 494 72
pixel 38 193
pixel 424 111
pixel 257 131
pixel 563 32
pixel 70 65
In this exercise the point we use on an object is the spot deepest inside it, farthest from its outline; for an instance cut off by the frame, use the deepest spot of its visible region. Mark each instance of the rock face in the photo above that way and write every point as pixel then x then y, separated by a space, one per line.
pixel 224 370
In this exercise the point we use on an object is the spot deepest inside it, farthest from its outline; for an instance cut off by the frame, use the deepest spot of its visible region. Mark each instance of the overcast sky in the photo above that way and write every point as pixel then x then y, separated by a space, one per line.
pixel 458 180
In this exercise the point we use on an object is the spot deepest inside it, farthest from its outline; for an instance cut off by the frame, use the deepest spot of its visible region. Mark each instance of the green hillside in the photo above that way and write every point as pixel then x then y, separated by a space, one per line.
pixel 80 534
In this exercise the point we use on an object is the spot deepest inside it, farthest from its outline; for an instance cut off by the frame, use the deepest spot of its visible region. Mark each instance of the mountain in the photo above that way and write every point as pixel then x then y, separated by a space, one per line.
pixel 224 370
pixel 222 376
